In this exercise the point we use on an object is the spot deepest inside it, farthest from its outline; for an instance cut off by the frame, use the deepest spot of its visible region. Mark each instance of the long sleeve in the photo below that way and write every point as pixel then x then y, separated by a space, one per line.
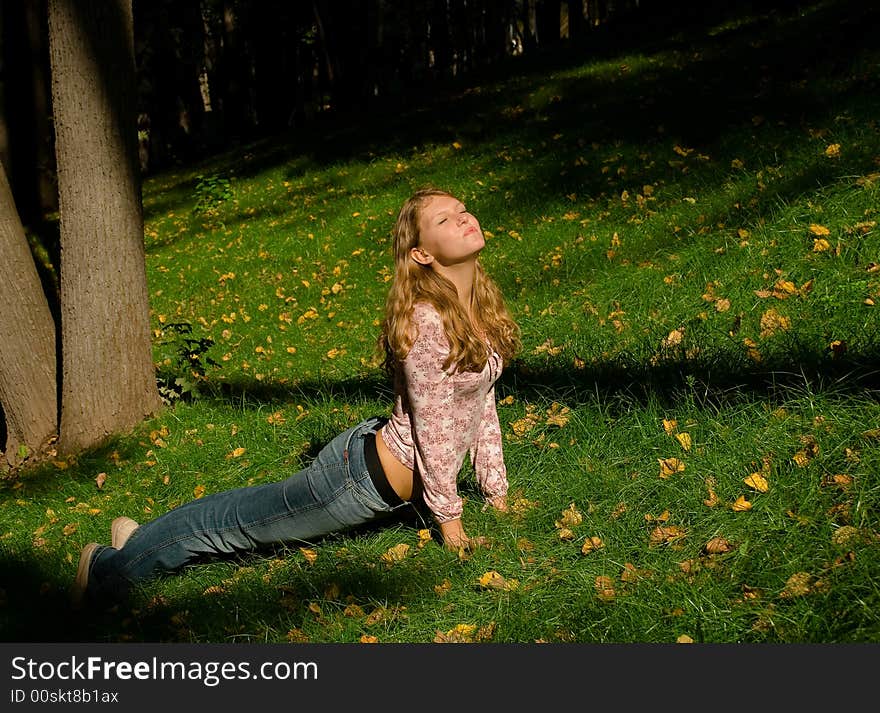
pixel 435 422
pixel 487 453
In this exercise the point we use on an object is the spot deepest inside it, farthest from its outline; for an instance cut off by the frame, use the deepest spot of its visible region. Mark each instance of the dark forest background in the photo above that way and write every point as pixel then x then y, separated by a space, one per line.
pixel 213 74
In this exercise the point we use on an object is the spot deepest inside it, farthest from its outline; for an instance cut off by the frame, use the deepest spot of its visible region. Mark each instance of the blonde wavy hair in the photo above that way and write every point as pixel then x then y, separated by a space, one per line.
pixel 413 282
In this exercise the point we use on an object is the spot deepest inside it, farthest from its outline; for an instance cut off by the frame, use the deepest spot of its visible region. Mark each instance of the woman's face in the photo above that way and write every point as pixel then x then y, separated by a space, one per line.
pixel 448 234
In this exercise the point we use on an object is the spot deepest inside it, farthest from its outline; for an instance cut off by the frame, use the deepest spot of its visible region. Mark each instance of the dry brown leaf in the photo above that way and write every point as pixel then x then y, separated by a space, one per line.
pixel 631 574
pixel 838 480
pixel 571 517
pixel 297 636
pixel 354 610
pixel 799 584
pixel 604 587
pixel 717 546
pixel 100 479
pixel 557 415
pixel 442 588
pixel 520 506
pixel 673 339
pixel 712 500
pixel 773 322
pixel 666 533
pixel 369 639
pixel 461 634
pixel 378 615
pixel 846 535
pixel 591 544
pixel 199 491
pixel 783 289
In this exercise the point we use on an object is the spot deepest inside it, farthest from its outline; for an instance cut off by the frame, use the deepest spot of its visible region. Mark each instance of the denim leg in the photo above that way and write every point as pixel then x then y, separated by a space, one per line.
pixel 332 494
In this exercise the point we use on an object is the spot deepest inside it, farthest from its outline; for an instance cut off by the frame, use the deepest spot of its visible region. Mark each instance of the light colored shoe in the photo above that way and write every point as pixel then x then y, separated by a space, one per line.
pixel 120 531
pixel 81 582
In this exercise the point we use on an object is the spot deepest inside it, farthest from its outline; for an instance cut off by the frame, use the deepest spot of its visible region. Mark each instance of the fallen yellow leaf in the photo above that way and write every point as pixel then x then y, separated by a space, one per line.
pixel 797 585
pixel 662 517
pixel 461 634
pixel 424 537
pixel 670 466
pixel 571 517
pixel 493 580
pixel 592 544
pixel 666 533
pixel 396 553
pixel 684 439
pixel 846 535
pixel 741 504
pixel 758 482
pixel 309 554
pixel 604 587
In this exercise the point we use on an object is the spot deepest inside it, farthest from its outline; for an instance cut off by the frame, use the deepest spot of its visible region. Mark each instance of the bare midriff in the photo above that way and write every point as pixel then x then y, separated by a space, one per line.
pixel 399 476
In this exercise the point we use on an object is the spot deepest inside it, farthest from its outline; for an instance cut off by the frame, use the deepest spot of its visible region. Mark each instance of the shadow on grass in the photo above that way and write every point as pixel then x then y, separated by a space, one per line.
pixel 715 378
pixel 49 617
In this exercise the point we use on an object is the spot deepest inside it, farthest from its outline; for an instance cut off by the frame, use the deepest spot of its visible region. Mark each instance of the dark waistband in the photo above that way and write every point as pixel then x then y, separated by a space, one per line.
pixel 377 472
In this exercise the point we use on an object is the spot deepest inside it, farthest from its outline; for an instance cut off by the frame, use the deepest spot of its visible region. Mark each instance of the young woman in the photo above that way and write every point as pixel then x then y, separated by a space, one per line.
pixel 445 336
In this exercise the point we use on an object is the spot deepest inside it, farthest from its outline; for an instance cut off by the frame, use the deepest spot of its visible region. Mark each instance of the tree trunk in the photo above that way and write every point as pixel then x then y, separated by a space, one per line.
pixel 108 380
pixel 27 347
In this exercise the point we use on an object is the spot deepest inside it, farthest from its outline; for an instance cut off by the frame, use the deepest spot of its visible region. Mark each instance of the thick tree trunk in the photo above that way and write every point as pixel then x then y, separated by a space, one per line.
pixel 108 380
pixel 27 343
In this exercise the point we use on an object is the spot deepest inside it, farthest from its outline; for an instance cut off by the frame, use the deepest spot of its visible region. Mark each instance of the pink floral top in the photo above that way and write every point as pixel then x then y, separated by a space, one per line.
pixel 439 416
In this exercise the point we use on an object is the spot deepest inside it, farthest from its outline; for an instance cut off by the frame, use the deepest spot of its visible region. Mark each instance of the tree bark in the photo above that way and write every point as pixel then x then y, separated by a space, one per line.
pixel 108 379
pixel 27 343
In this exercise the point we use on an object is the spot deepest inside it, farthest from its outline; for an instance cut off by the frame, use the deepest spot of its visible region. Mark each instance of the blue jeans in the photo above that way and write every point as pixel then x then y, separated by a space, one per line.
pixel 332 494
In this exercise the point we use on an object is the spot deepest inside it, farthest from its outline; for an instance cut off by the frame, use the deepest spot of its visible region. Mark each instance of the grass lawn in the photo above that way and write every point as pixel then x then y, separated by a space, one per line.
pixel 685 227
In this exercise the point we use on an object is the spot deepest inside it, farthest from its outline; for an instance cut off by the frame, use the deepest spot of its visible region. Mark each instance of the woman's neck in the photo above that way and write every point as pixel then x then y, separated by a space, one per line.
pixel 462 276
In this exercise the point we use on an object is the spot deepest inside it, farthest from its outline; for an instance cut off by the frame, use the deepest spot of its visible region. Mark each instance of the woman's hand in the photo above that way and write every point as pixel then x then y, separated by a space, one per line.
pixel 499 502
pixel 455 538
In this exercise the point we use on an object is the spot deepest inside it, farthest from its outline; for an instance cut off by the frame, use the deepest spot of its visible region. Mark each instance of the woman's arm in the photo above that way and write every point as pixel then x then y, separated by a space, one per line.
pixel 431 395
pixel 487 456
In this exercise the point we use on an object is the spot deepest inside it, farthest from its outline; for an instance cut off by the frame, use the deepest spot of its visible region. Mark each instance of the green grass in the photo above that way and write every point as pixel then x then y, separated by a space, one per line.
pixel 707 156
